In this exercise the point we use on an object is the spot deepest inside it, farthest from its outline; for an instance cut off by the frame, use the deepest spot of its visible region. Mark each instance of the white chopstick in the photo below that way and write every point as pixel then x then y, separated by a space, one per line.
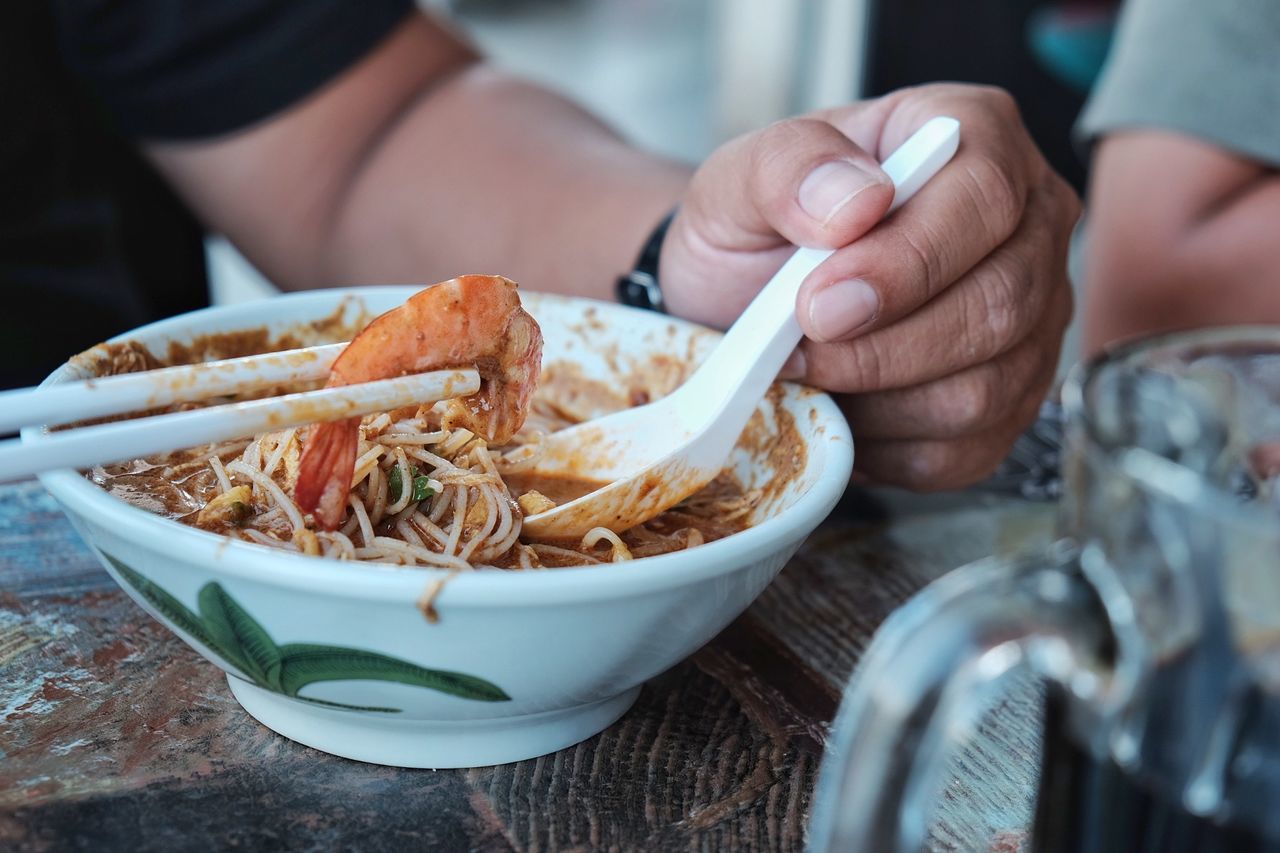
pixel 133 439
pixel 66 402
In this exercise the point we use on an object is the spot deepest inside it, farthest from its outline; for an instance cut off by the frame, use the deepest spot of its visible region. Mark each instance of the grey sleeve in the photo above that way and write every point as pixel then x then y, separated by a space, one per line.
pixel 1206 68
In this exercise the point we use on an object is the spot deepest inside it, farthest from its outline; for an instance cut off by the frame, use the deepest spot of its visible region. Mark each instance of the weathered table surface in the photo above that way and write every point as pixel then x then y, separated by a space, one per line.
pixel 115 735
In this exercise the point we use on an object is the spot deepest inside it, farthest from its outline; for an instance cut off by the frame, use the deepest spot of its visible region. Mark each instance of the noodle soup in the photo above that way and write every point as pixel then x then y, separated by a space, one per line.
pixel 521 662
pixel 423 493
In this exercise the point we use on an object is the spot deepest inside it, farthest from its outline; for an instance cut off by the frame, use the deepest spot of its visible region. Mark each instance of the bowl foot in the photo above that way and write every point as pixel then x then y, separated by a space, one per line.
pixel 435 744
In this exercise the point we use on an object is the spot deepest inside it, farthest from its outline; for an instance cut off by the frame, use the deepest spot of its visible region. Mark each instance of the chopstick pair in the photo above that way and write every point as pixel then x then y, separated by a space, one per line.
pixel 132 392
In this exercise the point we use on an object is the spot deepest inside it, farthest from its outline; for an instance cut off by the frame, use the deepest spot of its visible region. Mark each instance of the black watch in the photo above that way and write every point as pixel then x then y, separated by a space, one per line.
pixel 639 288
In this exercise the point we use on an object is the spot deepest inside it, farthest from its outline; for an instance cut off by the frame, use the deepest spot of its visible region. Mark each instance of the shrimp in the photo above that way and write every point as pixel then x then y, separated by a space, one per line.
pixel 472 320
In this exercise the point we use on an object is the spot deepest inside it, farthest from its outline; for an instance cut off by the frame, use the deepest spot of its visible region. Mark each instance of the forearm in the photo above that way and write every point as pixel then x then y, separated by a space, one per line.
pixel 1178 244
pixel 1224 271
pixel 420 164
pixel 492 174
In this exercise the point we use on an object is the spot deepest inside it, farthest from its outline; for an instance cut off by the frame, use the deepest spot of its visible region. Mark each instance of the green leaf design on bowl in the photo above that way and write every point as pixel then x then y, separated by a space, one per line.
pixel 233 628
pixel 226 628
pixel 305 663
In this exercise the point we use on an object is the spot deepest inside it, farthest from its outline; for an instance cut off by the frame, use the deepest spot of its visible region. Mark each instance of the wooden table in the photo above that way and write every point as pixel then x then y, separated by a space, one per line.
pixel 115 735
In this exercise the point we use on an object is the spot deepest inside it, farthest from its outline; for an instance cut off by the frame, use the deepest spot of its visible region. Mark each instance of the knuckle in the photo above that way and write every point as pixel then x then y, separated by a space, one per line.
pixel 930 466
pixel 772 148
pixel 766 148
pixel 980 462
pixel 772 138
pixel 768 163
pixel 1057 205
pixel 1004 300
pixel 854 367
pixel 989 96
pixel 997 310
pixel 778 142
pixel 923 255
pixel 1000 101
pixel 1069 201
pixel 972 401
pixel 997 194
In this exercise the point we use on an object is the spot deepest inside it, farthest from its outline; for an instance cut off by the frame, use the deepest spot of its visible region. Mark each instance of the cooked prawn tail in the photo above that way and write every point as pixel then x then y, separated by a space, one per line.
pixel 325 470
pixel 470 320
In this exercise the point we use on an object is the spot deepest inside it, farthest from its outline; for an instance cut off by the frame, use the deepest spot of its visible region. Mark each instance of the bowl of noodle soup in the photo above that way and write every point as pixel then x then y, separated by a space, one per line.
pixel 426 631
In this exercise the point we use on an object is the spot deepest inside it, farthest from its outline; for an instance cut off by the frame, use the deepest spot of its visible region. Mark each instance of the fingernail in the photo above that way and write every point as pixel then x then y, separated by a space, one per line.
pixel 840 309
pixel 794 368
pixel 831 186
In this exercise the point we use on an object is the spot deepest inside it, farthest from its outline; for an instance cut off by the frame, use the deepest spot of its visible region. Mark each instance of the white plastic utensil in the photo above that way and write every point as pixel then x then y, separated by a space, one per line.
pixel 132 439
pixel 65 402
pixel 654 456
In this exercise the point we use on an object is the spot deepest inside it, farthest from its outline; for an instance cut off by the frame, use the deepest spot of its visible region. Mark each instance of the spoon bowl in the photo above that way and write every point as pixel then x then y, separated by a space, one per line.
pixel 656 455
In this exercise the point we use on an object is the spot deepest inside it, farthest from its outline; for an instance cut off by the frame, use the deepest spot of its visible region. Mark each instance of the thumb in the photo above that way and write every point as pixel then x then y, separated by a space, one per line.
pixel 801 179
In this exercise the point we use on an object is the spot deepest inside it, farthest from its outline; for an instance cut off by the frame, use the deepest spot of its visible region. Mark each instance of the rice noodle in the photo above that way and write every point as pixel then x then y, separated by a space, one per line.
pixel 376 495
pixel 362 518
pixel 365 463
pixel 441 504
pixel 253 453
pixel 427 601
pixel 424 555
pixel 224 483
pixel 406 531
pixel 283 440
pixel 338 545
pixel 269 486
pixel 618 550
pixel 429 527
pixel 353 522
pixel 524 457
pixel 482 533
pixel 263 539
pixel 270 516
pixel 469 518
pixel 396 439
pixel 437 462
pixel 459 518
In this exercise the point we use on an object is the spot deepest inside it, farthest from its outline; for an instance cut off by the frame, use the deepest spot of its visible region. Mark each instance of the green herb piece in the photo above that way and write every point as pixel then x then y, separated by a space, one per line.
pixel 395 484
pixel 422 488
pixel 421 485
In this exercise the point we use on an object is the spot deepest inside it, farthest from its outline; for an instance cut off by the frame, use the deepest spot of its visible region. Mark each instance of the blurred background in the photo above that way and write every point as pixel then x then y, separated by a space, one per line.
pixel 676 76
pixel 682 76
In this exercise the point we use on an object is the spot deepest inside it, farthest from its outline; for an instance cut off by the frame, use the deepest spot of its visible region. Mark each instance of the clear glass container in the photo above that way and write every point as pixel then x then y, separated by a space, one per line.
pixel 1155 619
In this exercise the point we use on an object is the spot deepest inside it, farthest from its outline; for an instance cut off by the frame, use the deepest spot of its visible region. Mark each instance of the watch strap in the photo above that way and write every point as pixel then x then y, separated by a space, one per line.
pixel 639 288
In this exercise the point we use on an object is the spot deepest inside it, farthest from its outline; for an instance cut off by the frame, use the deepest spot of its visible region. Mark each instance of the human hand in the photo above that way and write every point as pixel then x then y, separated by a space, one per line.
pixel 940 328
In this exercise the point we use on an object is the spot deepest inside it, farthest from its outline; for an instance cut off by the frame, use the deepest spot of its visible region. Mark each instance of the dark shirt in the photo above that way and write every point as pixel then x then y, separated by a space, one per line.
pixel 92 242
pixel 977 41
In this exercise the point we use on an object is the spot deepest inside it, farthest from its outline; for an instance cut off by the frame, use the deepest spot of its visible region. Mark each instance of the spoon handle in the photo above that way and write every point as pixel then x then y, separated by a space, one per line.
pixel 748 359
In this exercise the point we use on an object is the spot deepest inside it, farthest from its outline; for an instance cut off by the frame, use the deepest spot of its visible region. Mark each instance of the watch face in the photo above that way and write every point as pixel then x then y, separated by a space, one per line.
pixel 640 290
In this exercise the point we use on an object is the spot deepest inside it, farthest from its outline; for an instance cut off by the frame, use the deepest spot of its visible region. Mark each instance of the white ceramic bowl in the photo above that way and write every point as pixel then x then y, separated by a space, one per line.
pixel 552 656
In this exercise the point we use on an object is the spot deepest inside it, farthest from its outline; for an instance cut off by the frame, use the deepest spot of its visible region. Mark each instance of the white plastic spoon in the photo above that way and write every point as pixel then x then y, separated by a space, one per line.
pixel 656 455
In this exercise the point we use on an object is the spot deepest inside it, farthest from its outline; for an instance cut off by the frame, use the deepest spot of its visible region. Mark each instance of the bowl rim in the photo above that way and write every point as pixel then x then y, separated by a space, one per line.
pixel 375 581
